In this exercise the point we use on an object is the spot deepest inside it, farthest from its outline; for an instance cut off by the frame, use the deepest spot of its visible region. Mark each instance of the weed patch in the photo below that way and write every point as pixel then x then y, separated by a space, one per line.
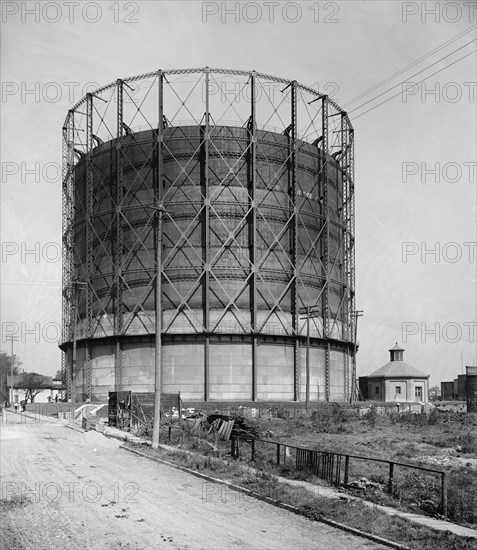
pixel 315 507
pixel 16 501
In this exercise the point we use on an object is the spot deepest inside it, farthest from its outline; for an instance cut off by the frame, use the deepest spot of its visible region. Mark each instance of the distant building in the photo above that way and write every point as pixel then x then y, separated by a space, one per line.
pixel 461 388
pixel 460 391
pixel 471 387
pixel 447 391
pixel 54 388
pixel 395 381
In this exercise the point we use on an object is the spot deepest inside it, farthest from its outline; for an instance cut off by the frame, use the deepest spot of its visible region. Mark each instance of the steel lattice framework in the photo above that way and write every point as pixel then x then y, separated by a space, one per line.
pixel 256 176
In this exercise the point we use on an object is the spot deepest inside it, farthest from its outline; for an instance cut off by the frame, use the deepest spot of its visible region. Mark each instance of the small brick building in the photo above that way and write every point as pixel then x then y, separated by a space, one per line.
pixel 396 381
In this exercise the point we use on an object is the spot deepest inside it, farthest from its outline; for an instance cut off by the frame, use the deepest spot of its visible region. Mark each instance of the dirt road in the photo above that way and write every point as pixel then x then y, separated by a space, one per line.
pixel 65 489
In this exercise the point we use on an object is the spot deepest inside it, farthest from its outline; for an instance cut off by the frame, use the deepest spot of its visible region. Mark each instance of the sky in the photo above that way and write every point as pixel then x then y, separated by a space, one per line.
pixel 415 132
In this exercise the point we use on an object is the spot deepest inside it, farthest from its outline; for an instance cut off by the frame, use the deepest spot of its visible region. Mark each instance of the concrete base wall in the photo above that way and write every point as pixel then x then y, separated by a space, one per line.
pixel 398 390
pixel 230 371
pixel 275 376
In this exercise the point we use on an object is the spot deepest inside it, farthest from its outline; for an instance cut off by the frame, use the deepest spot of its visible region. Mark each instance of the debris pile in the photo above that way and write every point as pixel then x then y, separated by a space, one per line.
pixel 237 426
pixel 363 483
pixel 173 412
pixel 449 461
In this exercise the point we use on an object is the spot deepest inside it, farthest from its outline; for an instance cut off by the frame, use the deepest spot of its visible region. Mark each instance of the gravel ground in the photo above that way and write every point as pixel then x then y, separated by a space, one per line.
pixel 65 489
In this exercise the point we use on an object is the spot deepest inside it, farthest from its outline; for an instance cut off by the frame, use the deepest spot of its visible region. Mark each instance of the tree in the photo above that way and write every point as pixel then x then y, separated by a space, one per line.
pixel 33 384
pixel 434 392
pixel 6 361
pixel 5 370
pixel 60 376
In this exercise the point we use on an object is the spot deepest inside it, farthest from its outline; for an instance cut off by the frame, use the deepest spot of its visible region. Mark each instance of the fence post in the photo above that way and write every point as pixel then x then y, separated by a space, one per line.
pixel 391 477
pixel 253 450
pixel 236 450
pixel 444 495
pixel 338 470
pixel 170 432
pixel 346 472
pixel 284 455
pixel 278 454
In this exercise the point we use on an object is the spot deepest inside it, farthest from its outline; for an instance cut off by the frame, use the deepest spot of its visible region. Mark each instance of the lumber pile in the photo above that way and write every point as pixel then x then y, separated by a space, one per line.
pixel 223 428
pixel 232 426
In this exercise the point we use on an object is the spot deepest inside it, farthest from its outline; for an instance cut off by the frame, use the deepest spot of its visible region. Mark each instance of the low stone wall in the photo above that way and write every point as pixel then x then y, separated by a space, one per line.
pixel 396 408
pixel 59 410
pixel 451 406
pixel 297 410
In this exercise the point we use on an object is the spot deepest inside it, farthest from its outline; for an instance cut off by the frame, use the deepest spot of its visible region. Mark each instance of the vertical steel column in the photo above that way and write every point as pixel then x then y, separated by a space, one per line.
pixel 118 234
pixel 64 224
pixel 75 289
pixel 346 313
pixel 307 384
pixel 89 238
pixel 73 365
pixel 69 362
pixel 351 253
pixel 207 266
pixel 118 357
pixel 326 241
pixel 88 360
pixel 159 232
pixel 252 189
pixel 158 297
pixel 351 217
pixel 294 195
pixel 347 383
pixel 65 369
pixel 67 248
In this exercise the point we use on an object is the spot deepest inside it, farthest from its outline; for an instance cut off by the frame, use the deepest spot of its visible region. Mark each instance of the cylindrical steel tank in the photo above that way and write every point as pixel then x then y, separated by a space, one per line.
pixel 257 235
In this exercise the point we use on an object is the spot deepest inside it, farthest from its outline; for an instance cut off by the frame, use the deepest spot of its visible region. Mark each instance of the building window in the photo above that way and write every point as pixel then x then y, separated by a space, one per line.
pixel 398 389
pixel 418 392
pixel 377 390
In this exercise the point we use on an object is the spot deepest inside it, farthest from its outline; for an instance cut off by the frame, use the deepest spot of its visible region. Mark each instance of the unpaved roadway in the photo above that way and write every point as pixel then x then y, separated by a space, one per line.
pixel 62 489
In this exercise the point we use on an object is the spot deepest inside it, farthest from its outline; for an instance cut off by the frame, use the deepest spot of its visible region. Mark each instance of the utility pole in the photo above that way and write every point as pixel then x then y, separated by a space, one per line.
pixel 307 398
pixel 158 355
pixel 159 207
pixel 12 339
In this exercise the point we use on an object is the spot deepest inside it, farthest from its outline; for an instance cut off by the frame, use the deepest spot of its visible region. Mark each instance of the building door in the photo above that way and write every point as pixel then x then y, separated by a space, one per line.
pixel 418 393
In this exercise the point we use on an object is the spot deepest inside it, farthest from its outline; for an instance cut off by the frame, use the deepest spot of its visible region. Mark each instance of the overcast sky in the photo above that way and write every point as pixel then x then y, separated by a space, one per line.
pixel 415 153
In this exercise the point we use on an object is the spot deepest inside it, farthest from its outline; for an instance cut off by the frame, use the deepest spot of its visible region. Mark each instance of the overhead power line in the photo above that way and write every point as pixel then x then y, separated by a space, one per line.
pixel 425 78
pixel 32 283
pixel 415 74
pixel 414 63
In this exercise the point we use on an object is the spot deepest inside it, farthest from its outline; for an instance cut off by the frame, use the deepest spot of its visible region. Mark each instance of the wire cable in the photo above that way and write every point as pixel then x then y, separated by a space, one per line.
pixel 429 76
pixel 415 74
pixel 425 56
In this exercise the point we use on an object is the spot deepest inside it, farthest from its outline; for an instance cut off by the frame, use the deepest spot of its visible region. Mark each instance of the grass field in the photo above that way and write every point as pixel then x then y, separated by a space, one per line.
pixel 439 440
pixel 349 512
pixel 444 441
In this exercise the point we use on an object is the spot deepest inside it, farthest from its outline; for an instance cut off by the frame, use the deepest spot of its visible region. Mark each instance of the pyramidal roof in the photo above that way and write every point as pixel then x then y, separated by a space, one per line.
pixel 397 369
pixel 397 348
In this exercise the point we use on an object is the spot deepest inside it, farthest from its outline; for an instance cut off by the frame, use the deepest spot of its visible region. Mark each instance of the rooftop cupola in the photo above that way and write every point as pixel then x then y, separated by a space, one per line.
pixel 396 353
